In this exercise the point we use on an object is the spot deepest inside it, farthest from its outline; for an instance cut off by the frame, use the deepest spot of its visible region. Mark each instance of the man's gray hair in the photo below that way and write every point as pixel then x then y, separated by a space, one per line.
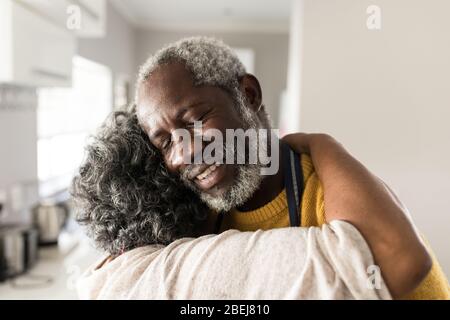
pixel 210 61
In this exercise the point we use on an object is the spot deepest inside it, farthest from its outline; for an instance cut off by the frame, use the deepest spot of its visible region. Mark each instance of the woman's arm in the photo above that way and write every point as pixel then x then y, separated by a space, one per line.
pixel 352 193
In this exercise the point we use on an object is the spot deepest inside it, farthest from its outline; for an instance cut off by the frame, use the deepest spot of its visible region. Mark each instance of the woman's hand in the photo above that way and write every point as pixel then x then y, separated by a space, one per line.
pixel 354 194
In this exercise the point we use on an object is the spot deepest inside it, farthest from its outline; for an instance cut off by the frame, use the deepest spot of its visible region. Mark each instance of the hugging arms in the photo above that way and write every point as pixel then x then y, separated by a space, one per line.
pixel 351 193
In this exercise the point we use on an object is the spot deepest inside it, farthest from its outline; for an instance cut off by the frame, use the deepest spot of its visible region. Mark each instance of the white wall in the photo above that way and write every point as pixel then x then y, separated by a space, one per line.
pixel 386 95
pixel 270 57
pixel 116 50
pixel 18 141
pixel 290 112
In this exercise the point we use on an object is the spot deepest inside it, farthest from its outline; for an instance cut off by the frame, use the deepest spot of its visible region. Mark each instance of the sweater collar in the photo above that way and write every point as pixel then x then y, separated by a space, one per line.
pixel 272 209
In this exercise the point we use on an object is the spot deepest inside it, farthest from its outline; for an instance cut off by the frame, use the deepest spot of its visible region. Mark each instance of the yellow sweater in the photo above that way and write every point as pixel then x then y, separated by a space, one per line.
pixel 275 215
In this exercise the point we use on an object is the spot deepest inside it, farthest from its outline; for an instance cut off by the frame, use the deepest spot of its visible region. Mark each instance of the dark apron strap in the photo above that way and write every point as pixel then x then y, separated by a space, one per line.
pixel 293 182
pixel 218 224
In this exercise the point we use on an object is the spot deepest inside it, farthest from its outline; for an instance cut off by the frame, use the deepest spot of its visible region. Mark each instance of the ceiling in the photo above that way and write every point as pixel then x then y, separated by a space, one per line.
pixel 212 15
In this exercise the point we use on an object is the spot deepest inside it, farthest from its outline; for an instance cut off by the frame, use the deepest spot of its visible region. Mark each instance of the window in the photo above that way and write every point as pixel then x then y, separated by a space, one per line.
pixel 66 117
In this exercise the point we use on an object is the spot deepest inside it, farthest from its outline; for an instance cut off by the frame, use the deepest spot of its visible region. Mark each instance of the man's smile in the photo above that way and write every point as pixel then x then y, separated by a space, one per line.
pixel 211 177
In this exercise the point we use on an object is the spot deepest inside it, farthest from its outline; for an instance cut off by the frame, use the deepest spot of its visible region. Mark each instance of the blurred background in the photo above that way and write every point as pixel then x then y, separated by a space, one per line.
pixel 374 74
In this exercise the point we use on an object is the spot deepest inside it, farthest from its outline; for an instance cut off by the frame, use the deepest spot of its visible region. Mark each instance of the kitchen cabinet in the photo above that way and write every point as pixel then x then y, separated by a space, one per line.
pixel 35 51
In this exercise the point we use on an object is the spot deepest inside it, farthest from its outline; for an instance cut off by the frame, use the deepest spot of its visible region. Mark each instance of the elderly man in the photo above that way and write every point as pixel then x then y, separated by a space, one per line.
pixel 201 80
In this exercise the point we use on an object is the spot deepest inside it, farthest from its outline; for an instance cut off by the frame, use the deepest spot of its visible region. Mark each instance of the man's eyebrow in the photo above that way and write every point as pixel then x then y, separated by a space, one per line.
pixel 179 115
pixel 155 134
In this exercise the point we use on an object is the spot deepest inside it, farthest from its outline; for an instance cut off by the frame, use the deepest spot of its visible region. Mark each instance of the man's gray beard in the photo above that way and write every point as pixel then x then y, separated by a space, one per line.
pixel 247 181
pixel 245 184
pixel 248 176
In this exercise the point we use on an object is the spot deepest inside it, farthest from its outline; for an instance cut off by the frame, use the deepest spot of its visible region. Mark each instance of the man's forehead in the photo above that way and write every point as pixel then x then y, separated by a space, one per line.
pixel 152 110
pixel 171 77
pixel 147 113
pixel 152 102
pixel 154 94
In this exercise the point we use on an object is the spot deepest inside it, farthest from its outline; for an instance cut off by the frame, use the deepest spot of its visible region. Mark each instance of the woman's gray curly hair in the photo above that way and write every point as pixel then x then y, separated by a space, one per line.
pixel 125 196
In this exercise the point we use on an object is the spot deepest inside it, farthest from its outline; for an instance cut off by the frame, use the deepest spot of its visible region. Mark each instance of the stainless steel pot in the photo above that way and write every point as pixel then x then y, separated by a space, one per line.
pixel 12 251
pixel 18 250
pixel 31 240
pixel 49 218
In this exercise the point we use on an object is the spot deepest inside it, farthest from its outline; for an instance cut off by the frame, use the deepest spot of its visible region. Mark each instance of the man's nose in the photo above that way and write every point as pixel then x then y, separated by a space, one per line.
pixel 181 155
pixel 176 158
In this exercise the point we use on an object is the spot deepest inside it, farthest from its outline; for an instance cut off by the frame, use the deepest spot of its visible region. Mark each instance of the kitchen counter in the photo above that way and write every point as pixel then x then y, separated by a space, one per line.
pixel 55 274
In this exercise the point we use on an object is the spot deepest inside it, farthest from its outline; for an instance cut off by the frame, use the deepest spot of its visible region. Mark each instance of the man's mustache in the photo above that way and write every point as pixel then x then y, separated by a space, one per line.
pixel 191 170
pixel 194 169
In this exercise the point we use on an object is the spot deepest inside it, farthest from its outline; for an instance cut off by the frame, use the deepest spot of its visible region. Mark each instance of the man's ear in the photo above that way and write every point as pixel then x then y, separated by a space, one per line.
pixel 250 88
